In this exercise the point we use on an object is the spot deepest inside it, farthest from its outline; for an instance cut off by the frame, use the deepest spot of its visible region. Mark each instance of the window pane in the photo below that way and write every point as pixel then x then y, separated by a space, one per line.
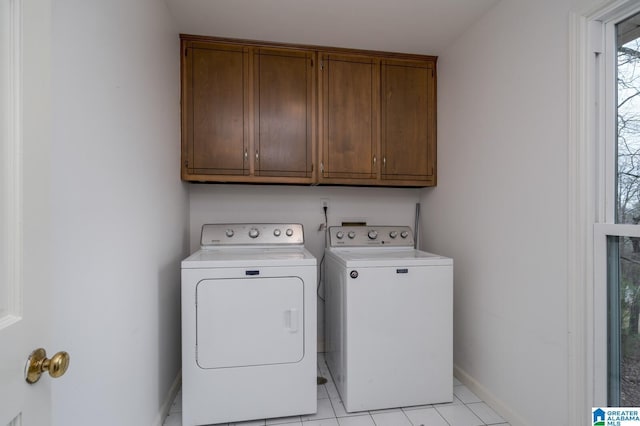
pixel 623 288
pixel 628 121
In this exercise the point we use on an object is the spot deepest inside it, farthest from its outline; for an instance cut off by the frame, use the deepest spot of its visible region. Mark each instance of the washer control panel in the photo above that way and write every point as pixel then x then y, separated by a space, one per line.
pixel 360 236
pixel 243 234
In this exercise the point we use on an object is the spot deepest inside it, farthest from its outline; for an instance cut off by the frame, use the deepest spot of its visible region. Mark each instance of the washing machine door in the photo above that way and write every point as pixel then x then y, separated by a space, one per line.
pixel 248 322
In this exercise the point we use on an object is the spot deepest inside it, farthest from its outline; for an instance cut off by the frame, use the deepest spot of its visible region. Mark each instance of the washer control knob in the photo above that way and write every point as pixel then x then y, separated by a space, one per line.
pixel 253 233
pixel 351 235
pixel 229 233
pixel 393 234
pixel 289 232
pixel 277 232
pixel 373 234
pixel 404 234
pixel 339 235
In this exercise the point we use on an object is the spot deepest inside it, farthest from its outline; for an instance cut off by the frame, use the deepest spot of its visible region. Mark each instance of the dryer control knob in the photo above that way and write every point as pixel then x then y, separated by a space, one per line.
pixel 289 232
pixel 253 233
pixel 393 234
pixel 404 234
pixel 373 235
pixel 339 235
pixel 277 232
pixel 351 235
pixel 229 233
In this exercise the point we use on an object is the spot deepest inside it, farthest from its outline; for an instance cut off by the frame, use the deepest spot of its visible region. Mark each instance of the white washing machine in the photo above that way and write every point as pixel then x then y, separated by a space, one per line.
pixel 248 325
pixel 388 319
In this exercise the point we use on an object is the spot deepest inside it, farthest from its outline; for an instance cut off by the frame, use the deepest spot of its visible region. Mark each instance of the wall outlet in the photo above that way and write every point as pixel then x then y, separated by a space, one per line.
pixel 324 202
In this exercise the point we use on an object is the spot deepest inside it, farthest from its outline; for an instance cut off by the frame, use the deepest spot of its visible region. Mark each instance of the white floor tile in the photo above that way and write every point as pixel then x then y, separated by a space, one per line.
pixel 284 420
pixel 417 407
pixel 455 401
pixel 325 411
pixel 485 413
pixel 323 422
pixel 465 395
pixel 332 390
pixel 425 417
pixel 174 419
pixel 365 420
pixel 340 411
pixel 465 410
pixel 393 418
pixel 459 415
pixel 322 392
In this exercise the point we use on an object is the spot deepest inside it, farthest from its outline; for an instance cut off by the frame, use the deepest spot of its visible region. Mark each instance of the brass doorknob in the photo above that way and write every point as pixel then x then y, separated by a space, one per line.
pixel 38 363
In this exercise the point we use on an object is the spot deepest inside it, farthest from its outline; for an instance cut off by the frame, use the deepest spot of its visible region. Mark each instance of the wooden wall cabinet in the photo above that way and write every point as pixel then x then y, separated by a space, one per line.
pixel 408 122
pixel 247 113
pixel 350 98
pixel 378 122
pixel 251 112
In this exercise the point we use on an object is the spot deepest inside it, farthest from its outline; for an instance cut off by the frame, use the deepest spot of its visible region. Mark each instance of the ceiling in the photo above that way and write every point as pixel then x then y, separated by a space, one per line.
pixel 411 26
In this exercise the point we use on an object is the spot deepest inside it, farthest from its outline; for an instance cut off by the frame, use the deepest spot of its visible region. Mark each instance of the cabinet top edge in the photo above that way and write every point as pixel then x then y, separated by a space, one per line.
pixel 322 49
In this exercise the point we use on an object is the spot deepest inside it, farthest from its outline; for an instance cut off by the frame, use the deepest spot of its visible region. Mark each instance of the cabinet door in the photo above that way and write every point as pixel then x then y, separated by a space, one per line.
pixel 215 120
pixel 283 112
pixel 350 110
pixel 408 121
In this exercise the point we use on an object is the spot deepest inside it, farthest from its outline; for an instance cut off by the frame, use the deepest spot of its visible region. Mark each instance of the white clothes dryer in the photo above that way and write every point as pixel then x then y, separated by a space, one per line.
pixel 248 325
pixel 388 319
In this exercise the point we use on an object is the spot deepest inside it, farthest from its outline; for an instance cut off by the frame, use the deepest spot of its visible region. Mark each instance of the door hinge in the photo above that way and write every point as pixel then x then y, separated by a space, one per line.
pixel 186 163
pixel 321 167
pixel 311 63
pixel 321 65
pixel 186 50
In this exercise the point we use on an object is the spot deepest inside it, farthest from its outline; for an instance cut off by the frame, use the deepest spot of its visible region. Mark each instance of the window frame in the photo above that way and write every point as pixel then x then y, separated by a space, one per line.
pixel 591 210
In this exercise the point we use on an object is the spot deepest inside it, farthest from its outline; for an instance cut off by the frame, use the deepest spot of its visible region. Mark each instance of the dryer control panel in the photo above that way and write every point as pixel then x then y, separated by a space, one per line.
pixel 251 234
pixel 367 236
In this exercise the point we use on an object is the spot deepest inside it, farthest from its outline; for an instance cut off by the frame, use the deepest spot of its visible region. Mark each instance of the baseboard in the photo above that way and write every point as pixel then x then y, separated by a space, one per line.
pixel 489 398
pixel 163 412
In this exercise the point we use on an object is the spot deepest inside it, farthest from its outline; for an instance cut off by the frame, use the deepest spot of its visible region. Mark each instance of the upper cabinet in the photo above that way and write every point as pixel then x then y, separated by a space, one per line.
pixel 247 113
pixel 349 93
pixel 215 125
pixel 257 112
pixel 408 122
pixel 283 113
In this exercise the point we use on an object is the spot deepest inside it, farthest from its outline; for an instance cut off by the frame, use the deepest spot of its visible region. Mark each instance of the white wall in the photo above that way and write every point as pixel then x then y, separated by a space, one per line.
pixel 119 210
pixel 500 208
pixel 299 204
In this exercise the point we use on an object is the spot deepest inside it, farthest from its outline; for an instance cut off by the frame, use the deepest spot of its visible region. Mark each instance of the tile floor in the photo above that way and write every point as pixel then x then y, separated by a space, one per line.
pixel 466 410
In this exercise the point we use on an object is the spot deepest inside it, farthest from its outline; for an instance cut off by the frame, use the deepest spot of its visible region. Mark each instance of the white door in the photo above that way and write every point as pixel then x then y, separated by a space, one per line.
pixel 25 249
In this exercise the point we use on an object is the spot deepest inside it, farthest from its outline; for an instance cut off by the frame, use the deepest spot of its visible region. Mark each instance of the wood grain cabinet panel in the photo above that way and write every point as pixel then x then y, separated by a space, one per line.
pixel 215 126
pixel 283 112
pixel 350 104
pixel 248 112
pixel 408 121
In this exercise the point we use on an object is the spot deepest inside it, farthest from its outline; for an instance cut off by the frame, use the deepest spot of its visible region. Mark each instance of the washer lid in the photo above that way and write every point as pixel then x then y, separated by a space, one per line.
pixel 383 257
pixel 228 257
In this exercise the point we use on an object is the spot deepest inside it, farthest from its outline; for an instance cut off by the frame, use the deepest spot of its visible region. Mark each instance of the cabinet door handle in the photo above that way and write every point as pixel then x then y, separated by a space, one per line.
pixel 246 155
pixel 256 155
pixel 374 160
pixel 384 161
